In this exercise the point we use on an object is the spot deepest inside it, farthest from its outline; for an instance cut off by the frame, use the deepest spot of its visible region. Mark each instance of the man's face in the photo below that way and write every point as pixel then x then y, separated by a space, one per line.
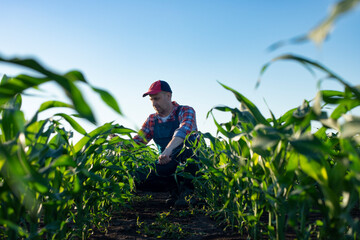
pixel 161 102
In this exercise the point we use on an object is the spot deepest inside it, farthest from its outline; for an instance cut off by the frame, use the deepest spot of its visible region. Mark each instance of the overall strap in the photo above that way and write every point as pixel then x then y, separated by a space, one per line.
pixel 163 132
pixel 177 112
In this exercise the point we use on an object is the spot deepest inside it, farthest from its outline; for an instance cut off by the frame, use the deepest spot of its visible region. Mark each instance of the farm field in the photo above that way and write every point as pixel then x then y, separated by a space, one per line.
pixel 296 176
pixel 265 177
pixel 163 221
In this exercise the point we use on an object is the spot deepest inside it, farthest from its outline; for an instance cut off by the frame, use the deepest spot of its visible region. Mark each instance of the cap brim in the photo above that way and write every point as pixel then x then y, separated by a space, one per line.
pixel 151 92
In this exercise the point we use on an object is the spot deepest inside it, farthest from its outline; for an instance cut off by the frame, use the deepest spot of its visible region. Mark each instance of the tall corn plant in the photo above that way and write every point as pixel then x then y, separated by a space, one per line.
pixel 48 186
pixel 325 156
pixel 281 170
pixel 300 179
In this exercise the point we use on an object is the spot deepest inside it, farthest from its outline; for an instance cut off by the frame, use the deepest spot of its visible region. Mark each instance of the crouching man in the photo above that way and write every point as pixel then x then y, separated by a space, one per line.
pixel 168 127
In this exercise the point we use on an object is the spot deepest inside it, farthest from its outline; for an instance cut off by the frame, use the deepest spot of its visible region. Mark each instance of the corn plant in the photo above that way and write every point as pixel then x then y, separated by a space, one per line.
pixel 301 179
pixel 50 187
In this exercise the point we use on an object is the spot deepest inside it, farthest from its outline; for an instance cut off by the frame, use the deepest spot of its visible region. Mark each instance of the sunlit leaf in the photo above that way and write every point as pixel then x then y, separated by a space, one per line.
pixel 13 120
pixel 319 33
pixel 332 96
pixel 64 160
pixel 310 146
pixel 77 185
pixel 249 105
pixel 67 84
pixel 344 107
pixel 4 79
pixel 309 64
pixel 75 76
pixel 100 130
pixel 293 162
pixel 77 127
pixel 119 129
pixel 350 128
pixel 18 229
pixel 108 99
pixel 52 104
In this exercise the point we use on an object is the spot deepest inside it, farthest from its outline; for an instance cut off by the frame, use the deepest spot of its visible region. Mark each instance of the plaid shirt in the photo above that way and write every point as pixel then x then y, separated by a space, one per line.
pixel 187 121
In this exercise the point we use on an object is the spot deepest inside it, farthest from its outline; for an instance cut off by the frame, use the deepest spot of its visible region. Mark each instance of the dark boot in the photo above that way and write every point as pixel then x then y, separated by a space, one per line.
pixel 186 198
pixel 173 197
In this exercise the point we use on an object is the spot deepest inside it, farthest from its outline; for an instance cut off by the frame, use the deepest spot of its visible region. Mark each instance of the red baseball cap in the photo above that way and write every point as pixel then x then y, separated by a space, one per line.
pixel 157 87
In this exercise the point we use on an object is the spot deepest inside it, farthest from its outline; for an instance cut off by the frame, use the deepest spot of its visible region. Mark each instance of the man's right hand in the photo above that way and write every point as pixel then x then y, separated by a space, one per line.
pixel 111 136
pixel 165 157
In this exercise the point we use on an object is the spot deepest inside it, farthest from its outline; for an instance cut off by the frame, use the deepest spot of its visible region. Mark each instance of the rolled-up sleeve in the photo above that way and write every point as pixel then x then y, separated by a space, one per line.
pixel 187 119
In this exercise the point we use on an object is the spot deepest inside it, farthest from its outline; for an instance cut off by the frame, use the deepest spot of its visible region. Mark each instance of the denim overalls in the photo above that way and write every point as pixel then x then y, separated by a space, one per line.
pixel 161 177
pixel 163 132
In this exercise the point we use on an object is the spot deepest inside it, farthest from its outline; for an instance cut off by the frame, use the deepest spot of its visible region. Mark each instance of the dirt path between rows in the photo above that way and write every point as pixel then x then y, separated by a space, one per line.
pixel 151 218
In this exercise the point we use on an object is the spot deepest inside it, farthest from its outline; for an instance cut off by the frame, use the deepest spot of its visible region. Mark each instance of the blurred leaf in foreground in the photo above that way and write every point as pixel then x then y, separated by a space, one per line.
pixel 321 32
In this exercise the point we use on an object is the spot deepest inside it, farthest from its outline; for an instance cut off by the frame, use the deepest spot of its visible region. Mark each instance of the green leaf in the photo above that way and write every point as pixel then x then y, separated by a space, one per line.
pixel 226 133
pixel 309 64
pixel 64 160
pixel 331 96
pixel 345 106
pixel 18 174
pixel 17 85
pixel 243 116
pixel 73 123
pixel 19 230
pixel 40 187
pixel 51 104
pixel 265 138
pixel 249 105
pixel 22 82
pixel 337 176
pixel 303 110
pixel 119 129
pixel 350 128
pixel 13 120
pixel 98 131
pixel 4 79
pixel 314 170
pixel 293 162
pixel 79 102
pixel 77 185
pixel 66 83
pixel 310 146
pixel 319 33
pixel 75 76
pixel 108 99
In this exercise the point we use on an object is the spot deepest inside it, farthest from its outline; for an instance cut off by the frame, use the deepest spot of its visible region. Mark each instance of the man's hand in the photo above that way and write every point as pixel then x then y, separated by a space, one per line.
pixel 165 157
pixel 111 136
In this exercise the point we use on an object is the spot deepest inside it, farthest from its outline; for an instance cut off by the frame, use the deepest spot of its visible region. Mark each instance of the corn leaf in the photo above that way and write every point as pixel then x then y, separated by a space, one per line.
pixel 345 106
pixel 77 127
pixel 108 99
pixel 90 136
pixel 310 64
pixel 310 146
pixel 259 118
pixel 319 33
pixel 51 104
pixel 67 84
pixel 350 128
pixel 64 160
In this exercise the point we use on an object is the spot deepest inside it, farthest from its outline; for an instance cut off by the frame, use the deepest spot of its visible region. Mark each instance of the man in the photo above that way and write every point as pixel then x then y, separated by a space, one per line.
pixel 169 126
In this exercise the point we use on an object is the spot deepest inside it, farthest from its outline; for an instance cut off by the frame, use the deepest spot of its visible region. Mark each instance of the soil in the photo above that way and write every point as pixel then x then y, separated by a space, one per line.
pixel 151 218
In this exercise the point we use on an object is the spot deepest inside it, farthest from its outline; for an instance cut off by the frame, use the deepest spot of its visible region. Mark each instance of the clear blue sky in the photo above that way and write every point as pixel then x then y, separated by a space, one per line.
pixel 124 46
